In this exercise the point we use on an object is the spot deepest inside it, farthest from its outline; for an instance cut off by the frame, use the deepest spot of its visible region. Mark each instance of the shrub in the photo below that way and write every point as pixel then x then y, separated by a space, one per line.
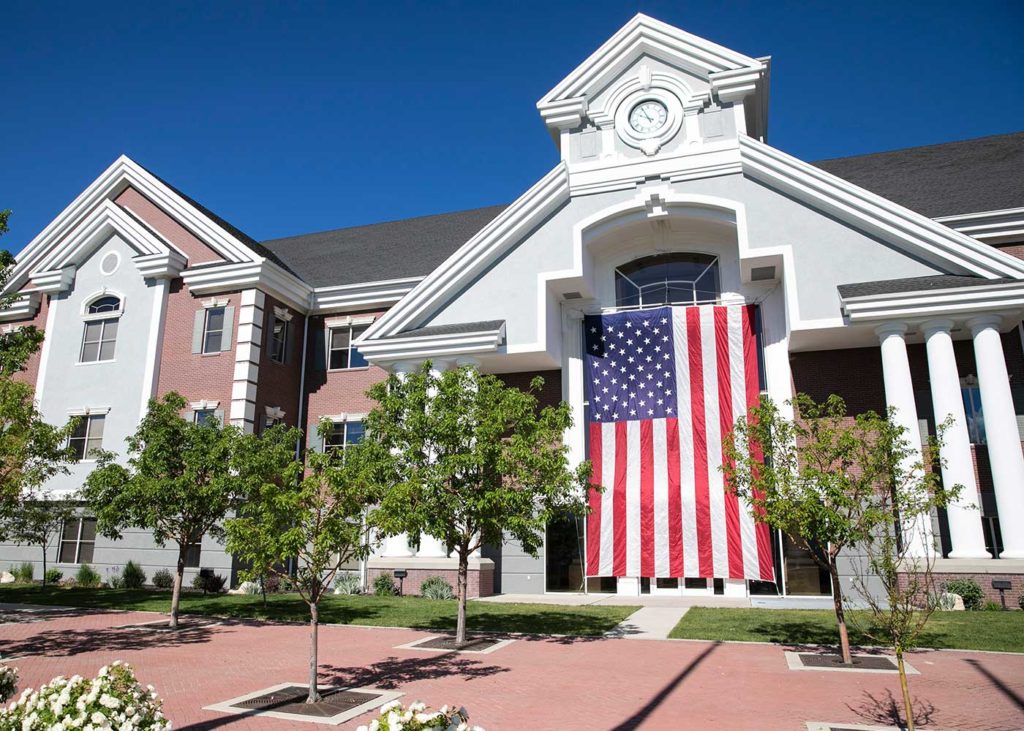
pixel 435 587
pixel 1020 601
pixel 87 577
pixel 416 717
pixel 163 579
pixel 991 606
pixel 285 583
pixel 113 700
pixel 53 576
pixel 8 682
pixel 24 574
pixel 133 577
pixel 113 578
pixel 212 584
pixel 249 587
pixel 271 583
pixel 384 585
pixel 348 583
pixel 968 590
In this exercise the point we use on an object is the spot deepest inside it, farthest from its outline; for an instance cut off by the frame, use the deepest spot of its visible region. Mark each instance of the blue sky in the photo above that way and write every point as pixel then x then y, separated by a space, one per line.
pixel 286 118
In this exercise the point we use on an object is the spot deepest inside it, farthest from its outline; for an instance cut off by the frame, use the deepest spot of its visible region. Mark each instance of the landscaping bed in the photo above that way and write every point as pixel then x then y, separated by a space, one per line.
pixel 414 612
pixel 1000 631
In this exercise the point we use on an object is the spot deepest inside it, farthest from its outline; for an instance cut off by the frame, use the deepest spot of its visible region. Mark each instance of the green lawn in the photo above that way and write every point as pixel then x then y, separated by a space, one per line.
pixel 367 610
pixel 961 630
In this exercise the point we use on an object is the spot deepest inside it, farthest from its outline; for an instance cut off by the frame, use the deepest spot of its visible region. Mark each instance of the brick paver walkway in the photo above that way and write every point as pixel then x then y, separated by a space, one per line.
pixel 552 683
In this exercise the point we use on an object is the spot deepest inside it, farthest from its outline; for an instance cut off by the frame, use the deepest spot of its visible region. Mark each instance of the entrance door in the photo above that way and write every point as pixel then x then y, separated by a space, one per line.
pixel 563 555
pixel 802 574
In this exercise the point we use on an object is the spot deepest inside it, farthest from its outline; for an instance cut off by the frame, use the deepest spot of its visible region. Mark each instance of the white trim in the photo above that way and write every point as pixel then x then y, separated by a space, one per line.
pixel 89 411
pixel 267 276
pixel 154 345
pixel 363 295
pixel 212 302
pixel 204 405
pixel 909 231
pixel 417 645
pixel 24 307
pixel 996 297
pixel 1004 226
pixel 84 310
pixel 248 338
pixel 496 238
pixel 44 354
pixel 274 412
pixel 430 346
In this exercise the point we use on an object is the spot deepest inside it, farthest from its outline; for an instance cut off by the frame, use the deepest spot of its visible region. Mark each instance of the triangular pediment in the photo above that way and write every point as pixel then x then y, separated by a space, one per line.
pixel 566 104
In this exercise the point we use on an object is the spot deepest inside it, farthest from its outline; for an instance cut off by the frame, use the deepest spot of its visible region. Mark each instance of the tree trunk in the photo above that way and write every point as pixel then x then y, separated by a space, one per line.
pixel 837 601
pixel 179 577
pixel 44 565
pixel 460 624
pixel 908 706
pixel 314 625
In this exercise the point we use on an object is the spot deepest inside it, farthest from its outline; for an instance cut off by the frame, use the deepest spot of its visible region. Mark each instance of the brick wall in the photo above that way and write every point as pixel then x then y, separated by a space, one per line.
pixel 985 582
pixel 31 371
pixel 278 385
pixel 334 392
pixel 550 393
pixel 479 582
pixel 143 208
pixel 192 375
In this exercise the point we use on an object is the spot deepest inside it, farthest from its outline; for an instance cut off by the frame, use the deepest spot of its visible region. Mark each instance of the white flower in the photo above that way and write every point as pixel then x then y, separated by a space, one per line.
pixel 109 701
pixel 375 725
pixel 388 706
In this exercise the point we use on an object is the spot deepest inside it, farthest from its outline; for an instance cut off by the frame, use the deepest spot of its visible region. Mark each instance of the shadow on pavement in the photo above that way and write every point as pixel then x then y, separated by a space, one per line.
pixel 886 710
pixel 65 643
pixel 997 682
pixel 393 672
pixel 638 718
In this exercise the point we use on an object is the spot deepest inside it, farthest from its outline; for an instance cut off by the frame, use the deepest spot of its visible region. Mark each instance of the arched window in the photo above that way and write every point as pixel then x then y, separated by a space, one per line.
pixel 100 333
pixel 667 279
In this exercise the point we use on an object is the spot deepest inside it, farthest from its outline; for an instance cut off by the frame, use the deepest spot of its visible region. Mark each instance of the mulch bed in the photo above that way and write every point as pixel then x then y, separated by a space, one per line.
pixel 472 644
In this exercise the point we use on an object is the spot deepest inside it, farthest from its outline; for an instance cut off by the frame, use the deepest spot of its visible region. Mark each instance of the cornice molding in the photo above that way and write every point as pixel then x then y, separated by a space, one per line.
pixel 264 275
pixel 962 302
pixel 993 227
pixel 496 238
pixel 423 347
pixel 361 296
pixel 24 307
pixel 910 231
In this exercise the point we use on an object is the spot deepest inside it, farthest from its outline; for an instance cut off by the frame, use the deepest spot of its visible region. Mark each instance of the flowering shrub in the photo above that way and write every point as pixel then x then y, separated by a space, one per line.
pixel 393 717
pixel 8 682
pixel 112 700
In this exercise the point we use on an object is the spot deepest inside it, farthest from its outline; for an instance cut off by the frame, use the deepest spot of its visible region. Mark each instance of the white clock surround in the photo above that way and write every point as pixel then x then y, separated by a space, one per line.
pixel 649 142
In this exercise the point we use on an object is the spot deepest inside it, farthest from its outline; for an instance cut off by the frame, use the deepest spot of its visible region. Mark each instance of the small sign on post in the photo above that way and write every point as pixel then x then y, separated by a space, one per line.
pixel 1002 585
pixel 400 574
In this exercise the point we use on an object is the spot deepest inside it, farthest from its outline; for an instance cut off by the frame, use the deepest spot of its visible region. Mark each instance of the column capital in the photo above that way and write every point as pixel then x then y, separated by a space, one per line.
pixel 467 360
pixel 405 366
pixel 890 328
pixel 979 322
pixel 939 324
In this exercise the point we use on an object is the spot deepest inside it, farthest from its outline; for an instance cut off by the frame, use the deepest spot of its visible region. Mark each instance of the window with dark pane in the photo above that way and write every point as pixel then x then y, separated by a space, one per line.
pixel 100 333
pixel 341 353
pixel 87 438
pixel 279 340
pixel 213 331
pixel 667 279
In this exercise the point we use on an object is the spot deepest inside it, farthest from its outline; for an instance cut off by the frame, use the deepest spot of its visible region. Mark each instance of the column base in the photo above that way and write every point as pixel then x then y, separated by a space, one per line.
pixel 1011 554
pixel 970 554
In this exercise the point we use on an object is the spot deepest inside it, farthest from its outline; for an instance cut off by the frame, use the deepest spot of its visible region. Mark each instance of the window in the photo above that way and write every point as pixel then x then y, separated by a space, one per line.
pixel 344 433
pixel 192 554
pixel 205 416
pixel 87 437
pixel 100 333
pixel 972 410
pixel 213 330
pixel 667 279
pixel 77 540
pixel 341 354
pixel 279 340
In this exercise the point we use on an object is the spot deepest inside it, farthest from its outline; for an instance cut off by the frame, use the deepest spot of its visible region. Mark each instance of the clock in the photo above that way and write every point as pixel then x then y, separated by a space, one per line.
pixel 648 116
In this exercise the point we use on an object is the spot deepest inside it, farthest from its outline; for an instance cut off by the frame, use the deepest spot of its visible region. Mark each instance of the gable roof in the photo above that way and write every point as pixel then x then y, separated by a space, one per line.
pixel 916 284
pixel 982 174
pixel 411 247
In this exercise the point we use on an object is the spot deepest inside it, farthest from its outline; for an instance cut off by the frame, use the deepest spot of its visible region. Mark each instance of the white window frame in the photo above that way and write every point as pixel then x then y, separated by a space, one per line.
pixel 344 424
pixel 279 345
pixel 692 283
pixel 77 541
pixel 87 418
pixel 206 329
pixel 351 327
pixel 104 319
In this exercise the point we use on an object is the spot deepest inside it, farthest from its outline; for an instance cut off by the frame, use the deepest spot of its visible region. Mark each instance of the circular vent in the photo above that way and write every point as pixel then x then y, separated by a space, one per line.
pixel 110 262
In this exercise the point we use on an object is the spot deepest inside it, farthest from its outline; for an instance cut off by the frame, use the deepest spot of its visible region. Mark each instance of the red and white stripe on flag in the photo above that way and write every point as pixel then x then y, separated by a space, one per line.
pixel 665 511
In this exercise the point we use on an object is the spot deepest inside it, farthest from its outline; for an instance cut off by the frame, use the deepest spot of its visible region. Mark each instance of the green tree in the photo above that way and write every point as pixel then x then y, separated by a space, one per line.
pixel 893 577
pixel 31 451
pixel 316 518
pixel 37 520
pixel 818 480
pixel 468 460
pixel 182 479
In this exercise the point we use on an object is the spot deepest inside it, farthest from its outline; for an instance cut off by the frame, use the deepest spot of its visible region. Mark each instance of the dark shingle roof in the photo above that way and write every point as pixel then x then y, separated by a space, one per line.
pixel 915 284
pixel 412 247
pixel 984 174
pixel 458 328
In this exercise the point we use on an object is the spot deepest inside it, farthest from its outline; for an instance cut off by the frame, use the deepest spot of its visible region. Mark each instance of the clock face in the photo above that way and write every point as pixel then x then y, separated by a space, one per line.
pixel 648 116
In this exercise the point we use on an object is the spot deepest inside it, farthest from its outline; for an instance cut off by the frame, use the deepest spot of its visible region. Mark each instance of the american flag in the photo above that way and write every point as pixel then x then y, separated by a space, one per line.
pixel 665 387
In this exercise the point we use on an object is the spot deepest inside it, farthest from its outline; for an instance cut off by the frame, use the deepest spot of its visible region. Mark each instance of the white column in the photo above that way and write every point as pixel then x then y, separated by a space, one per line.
pixel 965 530
pixel 1001 432
pixel 431 547
pixel 899 396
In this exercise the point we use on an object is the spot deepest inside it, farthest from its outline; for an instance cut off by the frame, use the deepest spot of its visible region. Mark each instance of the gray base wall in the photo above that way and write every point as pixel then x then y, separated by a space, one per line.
pixel 109 556
pixel 515 571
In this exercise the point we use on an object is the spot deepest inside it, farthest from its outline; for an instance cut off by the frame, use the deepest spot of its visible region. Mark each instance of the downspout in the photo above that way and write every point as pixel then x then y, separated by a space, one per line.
pixel 302 377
